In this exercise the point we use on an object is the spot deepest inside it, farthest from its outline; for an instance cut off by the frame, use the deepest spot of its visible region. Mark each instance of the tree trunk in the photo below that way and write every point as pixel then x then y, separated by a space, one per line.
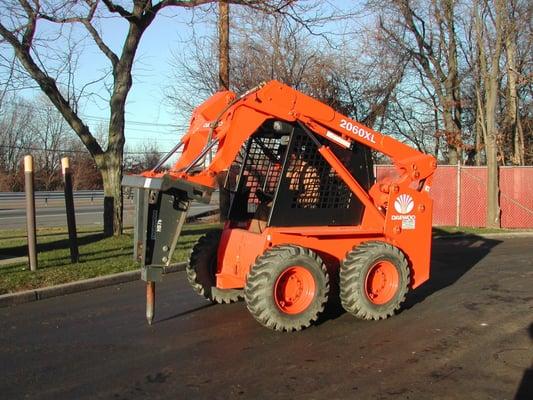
pixel 491 149
pixel 492 83
pixel 513 117
pixel 437 137
pixel 453 137
pixel 111 171
pixel 453 106
pixel 493 186
pixel 479 135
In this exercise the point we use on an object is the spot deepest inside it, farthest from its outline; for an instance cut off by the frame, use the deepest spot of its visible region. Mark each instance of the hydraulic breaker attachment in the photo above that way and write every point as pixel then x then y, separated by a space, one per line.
pixel 161 209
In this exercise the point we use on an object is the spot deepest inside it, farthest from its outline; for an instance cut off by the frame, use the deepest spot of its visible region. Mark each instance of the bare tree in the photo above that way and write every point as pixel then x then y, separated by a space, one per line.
pixel 513 123
pixel 263 47
pixel 50 133
pixel 16 131
pixel 142 157
pixel 429 36
pixel 266 47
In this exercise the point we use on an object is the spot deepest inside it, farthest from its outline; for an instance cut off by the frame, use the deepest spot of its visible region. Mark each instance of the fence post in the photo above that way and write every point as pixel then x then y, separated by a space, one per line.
pixel 458 199
pixel 69 205
pixel 30 212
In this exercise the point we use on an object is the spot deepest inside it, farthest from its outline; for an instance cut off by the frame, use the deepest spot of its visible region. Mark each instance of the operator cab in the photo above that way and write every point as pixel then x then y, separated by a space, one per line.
pixel 280 179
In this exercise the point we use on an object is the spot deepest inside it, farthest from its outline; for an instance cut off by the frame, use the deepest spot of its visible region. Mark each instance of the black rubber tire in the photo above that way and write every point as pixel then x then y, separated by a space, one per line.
pixel 353 272
pixel 201 270
pixel 259 289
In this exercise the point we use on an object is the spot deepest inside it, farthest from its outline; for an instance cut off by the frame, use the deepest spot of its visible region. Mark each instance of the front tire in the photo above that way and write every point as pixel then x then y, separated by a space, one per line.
pixel 287 288
pixel 374 279
pixel 202 267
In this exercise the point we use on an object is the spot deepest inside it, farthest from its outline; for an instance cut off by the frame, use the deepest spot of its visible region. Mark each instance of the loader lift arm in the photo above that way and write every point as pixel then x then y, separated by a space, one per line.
pixel 240 117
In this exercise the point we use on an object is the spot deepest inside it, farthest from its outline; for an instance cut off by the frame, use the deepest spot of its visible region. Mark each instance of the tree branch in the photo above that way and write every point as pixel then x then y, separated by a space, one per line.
pixel 29 32
pixel 115 8
pixel 86 22
pixel 100 43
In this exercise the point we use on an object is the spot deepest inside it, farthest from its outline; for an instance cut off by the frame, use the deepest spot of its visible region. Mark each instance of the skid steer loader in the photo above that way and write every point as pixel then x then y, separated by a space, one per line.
pixel 304 205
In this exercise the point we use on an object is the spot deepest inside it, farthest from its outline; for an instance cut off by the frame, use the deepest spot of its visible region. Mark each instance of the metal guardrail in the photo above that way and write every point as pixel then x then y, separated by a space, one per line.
pixel 60 195
pixel 92 195
pixel 79 194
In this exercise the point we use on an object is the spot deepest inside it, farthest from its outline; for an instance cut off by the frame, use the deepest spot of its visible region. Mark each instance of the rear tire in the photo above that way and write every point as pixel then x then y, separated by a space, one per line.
pixel 374 279
pixel 202 267
pixel 287 288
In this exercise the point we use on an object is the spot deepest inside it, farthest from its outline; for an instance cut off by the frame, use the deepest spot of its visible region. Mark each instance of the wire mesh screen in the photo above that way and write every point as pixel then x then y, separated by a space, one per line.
pixel 310 193
pixel 313 182
pixel 232 177
pixel 262 169
pixel 259 174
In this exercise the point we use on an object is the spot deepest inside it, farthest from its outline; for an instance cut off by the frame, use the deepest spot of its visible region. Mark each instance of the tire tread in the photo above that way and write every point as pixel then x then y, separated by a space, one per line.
pixel 354 266
pixel 258 283
pixel 199 259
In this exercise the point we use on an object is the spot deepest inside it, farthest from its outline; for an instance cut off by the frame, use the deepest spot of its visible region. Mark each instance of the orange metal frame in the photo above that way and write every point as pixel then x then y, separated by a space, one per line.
pixel 397 210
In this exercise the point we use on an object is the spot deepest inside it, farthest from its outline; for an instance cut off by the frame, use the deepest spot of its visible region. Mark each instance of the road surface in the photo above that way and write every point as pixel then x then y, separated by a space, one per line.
pixel 464 335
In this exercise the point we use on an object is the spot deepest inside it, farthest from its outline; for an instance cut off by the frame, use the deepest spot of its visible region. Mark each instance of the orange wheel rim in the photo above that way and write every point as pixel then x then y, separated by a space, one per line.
pixel 294 290
pixel 381 282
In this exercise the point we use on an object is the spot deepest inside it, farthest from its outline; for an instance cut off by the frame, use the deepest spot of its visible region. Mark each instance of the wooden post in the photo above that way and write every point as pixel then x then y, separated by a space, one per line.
pixel 69 205
pixel 30 212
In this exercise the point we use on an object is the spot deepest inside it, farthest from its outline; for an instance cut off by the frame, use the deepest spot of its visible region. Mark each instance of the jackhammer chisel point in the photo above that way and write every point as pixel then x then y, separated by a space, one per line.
pixel 150 301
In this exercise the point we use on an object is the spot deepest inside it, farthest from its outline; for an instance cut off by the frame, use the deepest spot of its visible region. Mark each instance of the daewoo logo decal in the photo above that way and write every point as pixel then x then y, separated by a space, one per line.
pixel 404 204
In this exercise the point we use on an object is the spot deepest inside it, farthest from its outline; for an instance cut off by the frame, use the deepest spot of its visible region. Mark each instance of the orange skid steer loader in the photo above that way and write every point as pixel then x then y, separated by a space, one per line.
pixel 304 205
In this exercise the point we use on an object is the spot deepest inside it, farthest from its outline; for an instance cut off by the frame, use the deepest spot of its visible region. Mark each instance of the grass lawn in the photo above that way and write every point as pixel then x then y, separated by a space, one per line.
pixel 98 256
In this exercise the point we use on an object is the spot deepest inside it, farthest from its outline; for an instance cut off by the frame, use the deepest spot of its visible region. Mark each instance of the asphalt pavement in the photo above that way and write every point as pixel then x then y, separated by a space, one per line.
pixel 466 334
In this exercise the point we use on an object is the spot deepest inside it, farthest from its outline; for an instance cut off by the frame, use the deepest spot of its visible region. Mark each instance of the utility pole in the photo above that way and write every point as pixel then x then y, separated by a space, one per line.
pixel 223 45
pixel 223 84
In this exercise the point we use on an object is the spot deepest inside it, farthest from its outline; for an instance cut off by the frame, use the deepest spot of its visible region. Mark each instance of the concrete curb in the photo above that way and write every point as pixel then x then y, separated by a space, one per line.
pixel 78 286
